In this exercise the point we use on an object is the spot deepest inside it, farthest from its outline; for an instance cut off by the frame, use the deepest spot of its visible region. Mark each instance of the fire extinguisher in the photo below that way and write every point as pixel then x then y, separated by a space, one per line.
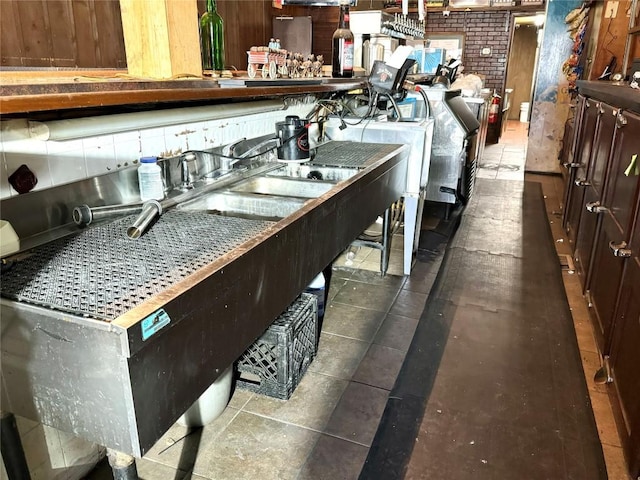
pixel 494 108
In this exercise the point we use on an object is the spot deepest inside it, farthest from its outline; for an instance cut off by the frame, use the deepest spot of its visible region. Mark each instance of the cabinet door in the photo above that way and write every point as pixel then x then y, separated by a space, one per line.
pixel 619 200
pixel 625 358
pixel 589 221
pixel 575 204
pixel 571 137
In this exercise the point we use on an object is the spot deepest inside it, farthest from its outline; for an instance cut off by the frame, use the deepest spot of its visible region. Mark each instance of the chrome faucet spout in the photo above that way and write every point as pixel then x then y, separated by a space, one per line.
pixel 227 164
pixel 257 147
pixel 186 183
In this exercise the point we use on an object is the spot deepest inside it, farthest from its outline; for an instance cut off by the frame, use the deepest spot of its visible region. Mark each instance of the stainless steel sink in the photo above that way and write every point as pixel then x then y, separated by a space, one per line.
pixel 213 283
pixel 245 204
pixel 317 172
pixel 283 186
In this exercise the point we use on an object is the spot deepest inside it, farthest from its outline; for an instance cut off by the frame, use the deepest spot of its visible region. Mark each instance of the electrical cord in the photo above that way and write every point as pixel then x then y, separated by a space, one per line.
pixel 250 157
pixel 395 105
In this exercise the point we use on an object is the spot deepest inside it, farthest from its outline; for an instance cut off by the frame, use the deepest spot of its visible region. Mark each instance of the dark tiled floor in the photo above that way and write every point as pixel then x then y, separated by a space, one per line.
pixel 326 428
pixel 494 360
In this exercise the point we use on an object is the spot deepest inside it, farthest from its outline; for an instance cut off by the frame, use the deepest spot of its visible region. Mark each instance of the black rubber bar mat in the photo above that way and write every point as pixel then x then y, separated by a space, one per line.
pixel 492 386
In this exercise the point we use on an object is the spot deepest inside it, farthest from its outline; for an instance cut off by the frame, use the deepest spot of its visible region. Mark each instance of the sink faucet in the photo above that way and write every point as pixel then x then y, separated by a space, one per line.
pixel 232 154
pixel 227 159
pixel 256 148
pixel 185 173
pixel 227 163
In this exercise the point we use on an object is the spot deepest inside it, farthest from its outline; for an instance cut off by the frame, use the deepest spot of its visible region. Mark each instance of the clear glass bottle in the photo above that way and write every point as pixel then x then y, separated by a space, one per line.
pixel 342 46
pixel 150 179
pixel 212 38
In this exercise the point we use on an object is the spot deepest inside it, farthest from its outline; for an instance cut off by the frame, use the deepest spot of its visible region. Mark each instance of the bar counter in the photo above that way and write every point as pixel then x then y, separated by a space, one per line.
pixel 27 91
pixel 620 95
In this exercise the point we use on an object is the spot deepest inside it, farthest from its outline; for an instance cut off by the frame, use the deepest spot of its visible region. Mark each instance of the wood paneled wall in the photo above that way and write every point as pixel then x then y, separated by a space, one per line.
pixel 88 33
pixel 324 21
pixel 61 33
pixel 246 23
pixel 612 38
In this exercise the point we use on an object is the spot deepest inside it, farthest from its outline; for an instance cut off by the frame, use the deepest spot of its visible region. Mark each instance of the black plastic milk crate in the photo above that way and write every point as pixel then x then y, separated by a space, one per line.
pixel 276 362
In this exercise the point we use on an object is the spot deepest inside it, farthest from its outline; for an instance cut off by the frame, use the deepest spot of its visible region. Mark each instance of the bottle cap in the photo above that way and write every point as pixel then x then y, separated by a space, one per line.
pixel 148 159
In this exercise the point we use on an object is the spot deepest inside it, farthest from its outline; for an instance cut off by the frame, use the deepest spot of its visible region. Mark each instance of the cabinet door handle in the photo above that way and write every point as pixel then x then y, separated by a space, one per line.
pixel 582 182
pixel 596 207
pixel 621 120
pixel 571 165
pixel 620 250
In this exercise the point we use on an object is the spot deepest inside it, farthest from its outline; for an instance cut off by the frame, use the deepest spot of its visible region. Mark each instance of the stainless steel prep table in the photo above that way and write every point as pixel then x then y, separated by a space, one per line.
pixel 122 377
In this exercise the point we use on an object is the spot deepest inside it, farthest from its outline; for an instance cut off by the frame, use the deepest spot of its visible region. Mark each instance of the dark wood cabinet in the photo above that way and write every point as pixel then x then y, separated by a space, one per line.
pixel 625 357
pixel 593 185
pixel 602 222
pixel 584 134
pixel 618 205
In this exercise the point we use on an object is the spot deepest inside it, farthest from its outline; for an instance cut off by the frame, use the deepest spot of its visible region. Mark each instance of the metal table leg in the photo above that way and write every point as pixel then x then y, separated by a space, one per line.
pixel 122 465
pixel 386 242
pixel 384 246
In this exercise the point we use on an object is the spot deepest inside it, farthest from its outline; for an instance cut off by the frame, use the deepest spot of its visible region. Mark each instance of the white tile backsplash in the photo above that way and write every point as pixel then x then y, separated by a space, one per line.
pixel 152 146
pixel 126 151
pixel 59 148
pixel 198 141
pixel 91 142
pixel 174 141
pixel 59 162
pixel 67 167
pixel 66 161
pixel 152 132
pixel 100 160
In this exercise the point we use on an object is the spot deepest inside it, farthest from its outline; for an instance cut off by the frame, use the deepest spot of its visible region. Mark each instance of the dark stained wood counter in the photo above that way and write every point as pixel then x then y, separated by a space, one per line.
pixel 621 96
pixel 24 92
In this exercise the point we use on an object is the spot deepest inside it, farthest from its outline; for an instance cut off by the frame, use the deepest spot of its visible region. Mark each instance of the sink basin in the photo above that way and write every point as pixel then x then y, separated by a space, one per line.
pixel 318 172
pixel 284 186
pixel 245 205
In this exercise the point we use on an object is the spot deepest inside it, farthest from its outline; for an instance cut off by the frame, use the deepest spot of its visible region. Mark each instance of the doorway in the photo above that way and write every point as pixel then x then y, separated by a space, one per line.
pixel 522 64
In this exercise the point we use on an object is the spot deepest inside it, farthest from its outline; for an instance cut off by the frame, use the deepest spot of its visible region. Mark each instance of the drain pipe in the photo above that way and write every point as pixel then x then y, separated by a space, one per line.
pixel 150 210
pixel 85 215
pixel 15 462
pixel 123 466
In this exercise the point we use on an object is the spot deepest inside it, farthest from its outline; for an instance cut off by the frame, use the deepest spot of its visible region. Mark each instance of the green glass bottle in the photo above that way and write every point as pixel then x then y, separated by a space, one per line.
pixel 212 38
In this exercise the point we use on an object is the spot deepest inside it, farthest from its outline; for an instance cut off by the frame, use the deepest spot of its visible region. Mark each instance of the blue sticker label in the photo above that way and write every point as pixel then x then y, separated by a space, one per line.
pixel 154 322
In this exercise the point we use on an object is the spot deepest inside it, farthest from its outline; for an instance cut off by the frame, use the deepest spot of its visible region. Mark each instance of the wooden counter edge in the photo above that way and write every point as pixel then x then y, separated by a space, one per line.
pixel 12 104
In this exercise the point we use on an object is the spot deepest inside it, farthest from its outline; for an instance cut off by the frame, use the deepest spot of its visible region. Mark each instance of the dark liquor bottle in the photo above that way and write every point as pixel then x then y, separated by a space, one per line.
pixel 212 38
pixel 342 42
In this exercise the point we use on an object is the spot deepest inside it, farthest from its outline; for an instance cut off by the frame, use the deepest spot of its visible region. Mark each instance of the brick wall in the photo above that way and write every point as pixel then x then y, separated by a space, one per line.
pixel 481 30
